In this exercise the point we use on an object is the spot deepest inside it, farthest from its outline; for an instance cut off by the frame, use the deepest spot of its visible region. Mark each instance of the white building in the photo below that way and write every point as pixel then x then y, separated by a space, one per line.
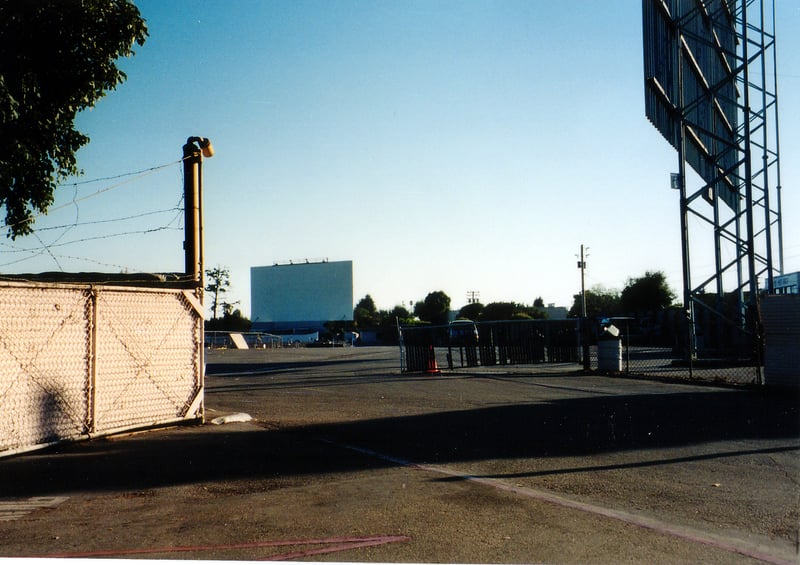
pixel 301 296
pixel 787 284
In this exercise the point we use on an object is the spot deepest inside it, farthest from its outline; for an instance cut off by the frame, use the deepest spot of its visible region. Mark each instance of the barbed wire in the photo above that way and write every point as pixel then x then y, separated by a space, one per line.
pixel 138 175
pixel 122 175
pixel 173 223
pixel 114 220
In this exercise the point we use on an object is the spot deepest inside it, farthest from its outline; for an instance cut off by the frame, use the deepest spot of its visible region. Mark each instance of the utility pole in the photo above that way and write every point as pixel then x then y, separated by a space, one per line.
pixel 193 152
pixel 584 323
pixel 582 267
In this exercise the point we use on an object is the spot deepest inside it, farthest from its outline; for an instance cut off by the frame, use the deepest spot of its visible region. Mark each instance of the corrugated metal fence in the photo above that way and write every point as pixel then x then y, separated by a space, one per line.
pixel 79 360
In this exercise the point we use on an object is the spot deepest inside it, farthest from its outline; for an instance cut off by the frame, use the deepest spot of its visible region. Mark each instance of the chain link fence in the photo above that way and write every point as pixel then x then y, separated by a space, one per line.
pixel 78 361
pixel 658 346
pixel 652 346
pixel 468 344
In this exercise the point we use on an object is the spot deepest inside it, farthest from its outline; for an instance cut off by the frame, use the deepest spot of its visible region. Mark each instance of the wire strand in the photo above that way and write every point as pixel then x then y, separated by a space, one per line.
pixel 172 223
pixel 115 177
pixel 134 176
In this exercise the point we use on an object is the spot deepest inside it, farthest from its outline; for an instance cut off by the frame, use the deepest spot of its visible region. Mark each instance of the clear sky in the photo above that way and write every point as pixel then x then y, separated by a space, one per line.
pixel 449 145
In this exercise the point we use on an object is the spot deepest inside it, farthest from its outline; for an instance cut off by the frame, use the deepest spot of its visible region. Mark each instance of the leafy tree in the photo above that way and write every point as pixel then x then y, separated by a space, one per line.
pixel 401 312
pixel 511 311
pixel 600 301
pixel 498 311
pixel 648 293
pixel 534 312
pixel 435 309
pixel 390 317
pixel 231 321
pixel 365 313
pixel 471 311
pixel 228 307
pixel 219 281
pixel 57 57
pixel 538 303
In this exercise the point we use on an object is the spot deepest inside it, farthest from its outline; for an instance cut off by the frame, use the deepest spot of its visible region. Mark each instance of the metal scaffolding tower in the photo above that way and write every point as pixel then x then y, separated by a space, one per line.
pixel 711 90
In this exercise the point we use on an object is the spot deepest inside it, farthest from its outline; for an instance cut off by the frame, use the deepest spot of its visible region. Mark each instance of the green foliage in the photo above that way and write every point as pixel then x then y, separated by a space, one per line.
pixel 219 281
pixel 388 320
pixel 398 313
pixel 645 294
pixel 57 57
pixel 471 311
pixel 434 309
pixel 231 321
pixel 365 314
pixel 496 311
pixel 600 302
pixel 534 312
pixel 648 293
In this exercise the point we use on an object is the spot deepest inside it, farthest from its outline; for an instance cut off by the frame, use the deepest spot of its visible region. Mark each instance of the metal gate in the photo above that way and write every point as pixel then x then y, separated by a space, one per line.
pixel 509 342
pixel 78 361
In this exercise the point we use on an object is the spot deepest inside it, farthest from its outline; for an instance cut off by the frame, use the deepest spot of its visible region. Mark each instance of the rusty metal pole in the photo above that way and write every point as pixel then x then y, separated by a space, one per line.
pixel 193 152
pixel 191 207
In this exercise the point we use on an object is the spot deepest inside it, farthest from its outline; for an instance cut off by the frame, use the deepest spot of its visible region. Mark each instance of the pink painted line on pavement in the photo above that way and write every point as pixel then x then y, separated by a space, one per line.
pixel 343 547
pixel 343 543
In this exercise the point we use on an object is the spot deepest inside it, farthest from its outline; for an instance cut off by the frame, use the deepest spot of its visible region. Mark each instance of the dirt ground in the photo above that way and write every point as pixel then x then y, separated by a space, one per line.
pixel 347 459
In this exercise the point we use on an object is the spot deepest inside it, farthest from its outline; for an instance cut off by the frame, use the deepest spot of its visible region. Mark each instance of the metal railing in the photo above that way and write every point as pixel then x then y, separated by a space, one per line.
pixel 640 347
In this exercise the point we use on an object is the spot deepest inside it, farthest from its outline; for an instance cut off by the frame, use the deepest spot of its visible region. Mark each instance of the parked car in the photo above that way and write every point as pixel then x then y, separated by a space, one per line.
pixel 463 332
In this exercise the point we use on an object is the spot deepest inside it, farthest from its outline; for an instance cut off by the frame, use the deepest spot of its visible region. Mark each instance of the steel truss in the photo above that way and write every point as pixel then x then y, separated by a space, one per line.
pixel 740 201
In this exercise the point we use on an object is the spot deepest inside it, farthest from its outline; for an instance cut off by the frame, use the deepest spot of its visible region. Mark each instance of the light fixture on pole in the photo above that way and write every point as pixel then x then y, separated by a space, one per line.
pixel 584 322
pixel 582 267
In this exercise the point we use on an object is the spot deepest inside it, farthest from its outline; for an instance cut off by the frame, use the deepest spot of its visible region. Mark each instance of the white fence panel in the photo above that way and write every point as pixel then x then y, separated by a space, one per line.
pixel 83 360
pixel 44 337
pixel 148 353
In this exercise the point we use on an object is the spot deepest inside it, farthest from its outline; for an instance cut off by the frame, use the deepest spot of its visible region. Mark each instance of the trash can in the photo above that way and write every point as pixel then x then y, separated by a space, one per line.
pixel 609 351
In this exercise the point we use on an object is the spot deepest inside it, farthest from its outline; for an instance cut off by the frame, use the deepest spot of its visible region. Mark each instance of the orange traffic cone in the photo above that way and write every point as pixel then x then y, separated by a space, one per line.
pixel 432 366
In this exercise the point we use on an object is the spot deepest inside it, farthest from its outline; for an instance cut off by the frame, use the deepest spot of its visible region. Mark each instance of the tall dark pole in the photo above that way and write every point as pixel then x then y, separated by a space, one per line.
pixel 777 145
pixel 582 265
pixel 193 152
pixel 688 303
pixel 587 365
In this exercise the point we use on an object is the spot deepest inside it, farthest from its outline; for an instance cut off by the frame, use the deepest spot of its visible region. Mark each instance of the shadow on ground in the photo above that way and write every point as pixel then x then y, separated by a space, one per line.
pixel 583 426
pixel 216 369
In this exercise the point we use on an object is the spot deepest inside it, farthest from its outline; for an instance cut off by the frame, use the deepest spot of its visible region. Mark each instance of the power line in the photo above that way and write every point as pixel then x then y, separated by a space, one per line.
pixel 134 176
pixel 112 220
pixel 122 175
pixel 31 253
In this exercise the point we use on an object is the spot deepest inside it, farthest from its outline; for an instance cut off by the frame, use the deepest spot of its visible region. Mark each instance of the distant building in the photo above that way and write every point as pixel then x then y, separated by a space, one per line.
pixel 298 297
pixel 787 284
pixel 556 312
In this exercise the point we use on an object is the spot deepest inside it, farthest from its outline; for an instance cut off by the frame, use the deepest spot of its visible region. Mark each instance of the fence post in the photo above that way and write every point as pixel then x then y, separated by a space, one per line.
pixel 91 351
pixel 587 362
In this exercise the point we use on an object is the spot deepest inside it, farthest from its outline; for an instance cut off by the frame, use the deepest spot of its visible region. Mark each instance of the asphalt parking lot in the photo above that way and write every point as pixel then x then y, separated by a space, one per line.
pixel 347 459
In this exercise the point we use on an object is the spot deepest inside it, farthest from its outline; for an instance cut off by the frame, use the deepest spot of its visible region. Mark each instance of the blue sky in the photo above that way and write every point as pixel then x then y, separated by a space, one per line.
pixel 456 146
